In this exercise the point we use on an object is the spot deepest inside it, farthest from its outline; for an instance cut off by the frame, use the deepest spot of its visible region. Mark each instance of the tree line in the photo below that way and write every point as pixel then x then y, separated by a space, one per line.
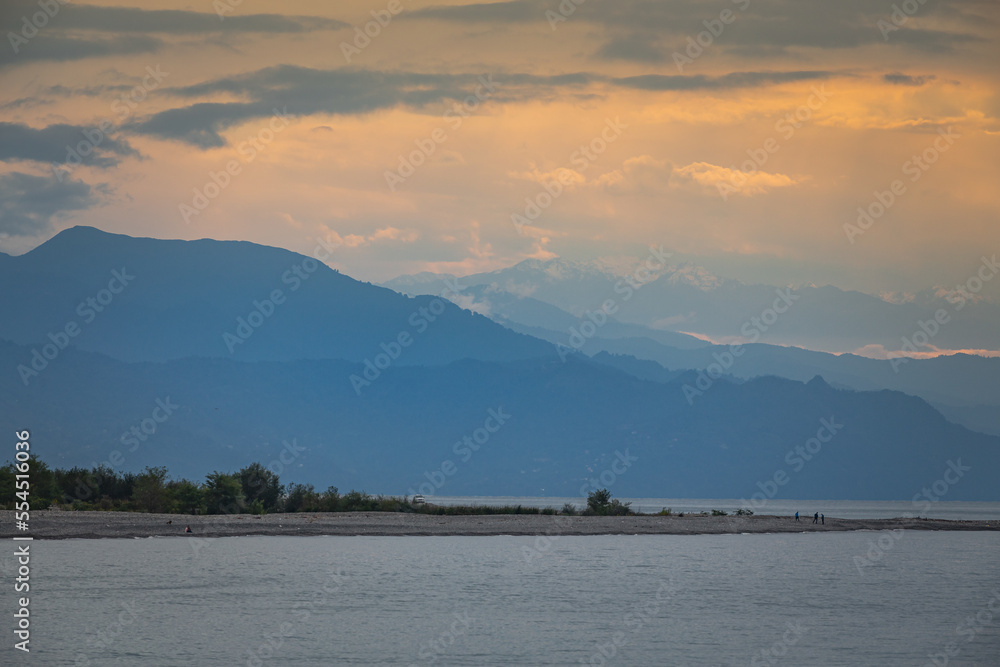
pixel 251 490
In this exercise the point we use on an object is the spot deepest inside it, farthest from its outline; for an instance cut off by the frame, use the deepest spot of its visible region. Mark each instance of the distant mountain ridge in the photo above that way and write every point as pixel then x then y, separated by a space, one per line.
pixel 687 298
pixel 217 299
pixel 962 386
pixel 564 427
pixel 376 390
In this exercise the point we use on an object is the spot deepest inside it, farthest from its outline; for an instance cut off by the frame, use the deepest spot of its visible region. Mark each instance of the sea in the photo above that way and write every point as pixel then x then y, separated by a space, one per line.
pixel 826 599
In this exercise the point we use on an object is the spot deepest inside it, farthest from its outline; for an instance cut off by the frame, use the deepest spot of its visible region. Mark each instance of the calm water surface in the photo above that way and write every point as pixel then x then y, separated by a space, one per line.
pixel 807 599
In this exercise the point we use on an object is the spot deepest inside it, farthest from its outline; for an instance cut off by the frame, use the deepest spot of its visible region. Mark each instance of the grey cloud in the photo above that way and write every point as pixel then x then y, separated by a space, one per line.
pixel 638 27
pixel 899 79
pixel 305 91
pixel 635 48
pixel 516 11
pixel 87 31
pixel 51 144
pixel 130 19
pixel 55 47
pixel 732 80
pixel 29 204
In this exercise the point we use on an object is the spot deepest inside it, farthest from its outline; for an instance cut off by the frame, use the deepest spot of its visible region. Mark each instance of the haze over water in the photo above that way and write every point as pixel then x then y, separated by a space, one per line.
pixel 666 600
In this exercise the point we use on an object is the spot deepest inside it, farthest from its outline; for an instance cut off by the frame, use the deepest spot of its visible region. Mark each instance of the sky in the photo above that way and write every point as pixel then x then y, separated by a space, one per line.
pixel 460 137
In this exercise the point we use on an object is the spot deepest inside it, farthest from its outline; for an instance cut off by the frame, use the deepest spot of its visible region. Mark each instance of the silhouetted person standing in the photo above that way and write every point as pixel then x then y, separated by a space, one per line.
pixel 796 516
pixel 822 519
pixel 816 517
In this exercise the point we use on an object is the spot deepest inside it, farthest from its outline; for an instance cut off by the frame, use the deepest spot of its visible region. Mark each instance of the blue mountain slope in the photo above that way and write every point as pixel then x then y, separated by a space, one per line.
pixel 187 298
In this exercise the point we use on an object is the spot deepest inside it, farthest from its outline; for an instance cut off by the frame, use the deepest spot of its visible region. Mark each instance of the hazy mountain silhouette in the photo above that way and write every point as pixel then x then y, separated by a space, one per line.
pixel 155 337
pixel 187 295
pixel 964 386
pixel 686 298
pixel 567 423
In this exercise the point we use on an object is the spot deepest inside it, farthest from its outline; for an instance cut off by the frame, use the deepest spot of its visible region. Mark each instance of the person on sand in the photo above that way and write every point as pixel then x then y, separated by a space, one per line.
pixel 796 516
pixel 816 517
pixel 822 519
pixel 187 529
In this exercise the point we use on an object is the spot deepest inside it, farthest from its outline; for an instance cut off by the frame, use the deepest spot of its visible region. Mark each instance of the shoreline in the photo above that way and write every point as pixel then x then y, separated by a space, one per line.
pixel 62 524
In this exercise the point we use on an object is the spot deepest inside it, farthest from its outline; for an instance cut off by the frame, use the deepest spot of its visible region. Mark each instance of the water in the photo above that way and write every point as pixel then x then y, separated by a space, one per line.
pixel 497 601
pixel 842 509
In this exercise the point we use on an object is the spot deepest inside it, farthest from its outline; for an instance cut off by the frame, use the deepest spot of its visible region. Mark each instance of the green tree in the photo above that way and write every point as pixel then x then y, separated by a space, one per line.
pixel 7 479
pixel 223 494
pixel 187 497
pixel 260 484
pixel 111 484
pixel 330 499
pixel 44 489
pixel 76 484
pixel 600 503
pixel 149 491
pixel 301 498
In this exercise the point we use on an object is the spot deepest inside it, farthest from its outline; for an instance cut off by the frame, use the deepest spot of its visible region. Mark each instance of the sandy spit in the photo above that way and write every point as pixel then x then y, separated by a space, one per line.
pixel 57 524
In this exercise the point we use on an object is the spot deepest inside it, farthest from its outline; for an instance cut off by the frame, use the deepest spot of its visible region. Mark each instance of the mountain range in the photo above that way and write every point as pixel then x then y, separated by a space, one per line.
pixel 115 351
pixel 962 386
pixel 688 299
